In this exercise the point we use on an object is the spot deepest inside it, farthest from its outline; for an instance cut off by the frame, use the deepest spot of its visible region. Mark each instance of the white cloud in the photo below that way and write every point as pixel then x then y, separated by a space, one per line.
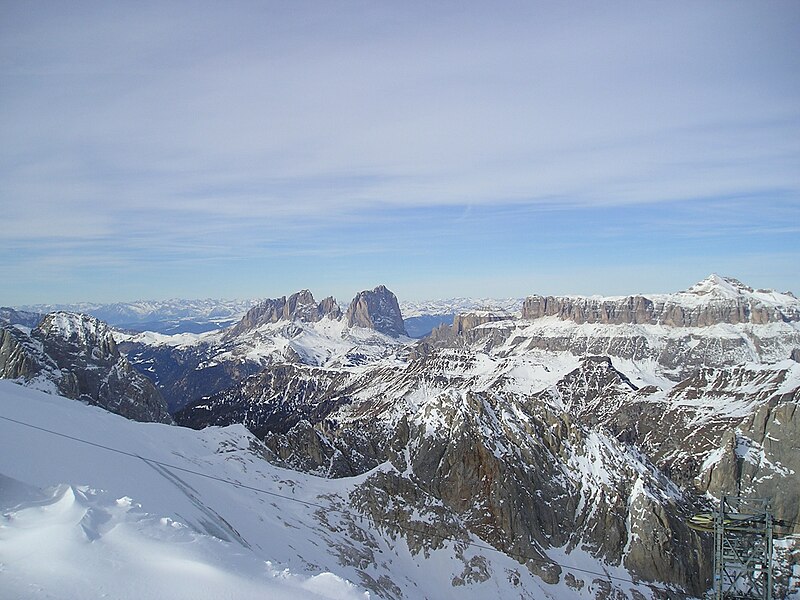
pixel 258 124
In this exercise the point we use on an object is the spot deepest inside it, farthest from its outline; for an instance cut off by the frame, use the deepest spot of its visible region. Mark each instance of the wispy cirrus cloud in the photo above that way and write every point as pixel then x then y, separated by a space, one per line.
pixel 269 129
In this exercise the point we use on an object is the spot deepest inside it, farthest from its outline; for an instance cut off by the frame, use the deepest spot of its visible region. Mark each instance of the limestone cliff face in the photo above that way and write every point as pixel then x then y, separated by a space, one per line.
pixel 717 323
pixel 712 301
pixel 18 359
pixel 376 309
pixel 76 354
pixel 300 306
pixel 466 321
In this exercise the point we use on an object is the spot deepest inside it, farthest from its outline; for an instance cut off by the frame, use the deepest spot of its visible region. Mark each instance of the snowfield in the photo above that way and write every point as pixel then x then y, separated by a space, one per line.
pixel 79 521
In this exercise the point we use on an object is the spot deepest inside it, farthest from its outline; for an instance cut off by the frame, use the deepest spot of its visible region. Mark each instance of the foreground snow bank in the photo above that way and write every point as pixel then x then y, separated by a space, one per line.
pixel 75 542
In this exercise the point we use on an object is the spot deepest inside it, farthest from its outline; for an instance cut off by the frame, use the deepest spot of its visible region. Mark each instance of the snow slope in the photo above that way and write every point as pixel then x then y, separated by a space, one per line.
pixel 79 521
pixel 141 511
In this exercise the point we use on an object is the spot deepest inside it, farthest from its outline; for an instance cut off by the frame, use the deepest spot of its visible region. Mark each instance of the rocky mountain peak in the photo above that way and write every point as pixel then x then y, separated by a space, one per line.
pixel 722 287
pixel 78 333
pixel 377 309
pixel 76 356
pixel 300 306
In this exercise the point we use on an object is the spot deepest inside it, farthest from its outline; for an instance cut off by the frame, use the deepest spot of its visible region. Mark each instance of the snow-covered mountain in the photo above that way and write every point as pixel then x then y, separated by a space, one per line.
pixel 129 510
pixel 564 430
pixel 715 300
pixel 162 316
pixel 572 435
pixel 76 356
pixel 295 329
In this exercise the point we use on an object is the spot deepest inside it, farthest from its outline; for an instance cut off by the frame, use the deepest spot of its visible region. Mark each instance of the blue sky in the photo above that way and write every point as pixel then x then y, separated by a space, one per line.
pixel 250 149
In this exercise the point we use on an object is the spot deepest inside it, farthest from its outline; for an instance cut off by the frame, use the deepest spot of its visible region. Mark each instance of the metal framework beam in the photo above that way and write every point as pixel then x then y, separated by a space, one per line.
pixel 743 549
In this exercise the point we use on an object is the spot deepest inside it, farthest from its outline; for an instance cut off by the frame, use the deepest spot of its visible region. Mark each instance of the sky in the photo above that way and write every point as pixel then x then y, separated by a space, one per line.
pixel 156 150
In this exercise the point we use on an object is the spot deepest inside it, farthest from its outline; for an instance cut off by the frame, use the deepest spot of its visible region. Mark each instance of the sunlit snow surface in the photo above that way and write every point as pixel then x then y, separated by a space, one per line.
pixel 328 342
pixel 79 521
pixel 82 522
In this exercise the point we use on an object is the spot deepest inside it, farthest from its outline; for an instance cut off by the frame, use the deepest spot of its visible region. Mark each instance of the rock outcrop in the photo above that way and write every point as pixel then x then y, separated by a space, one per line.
pixel 376 309
pixel 300 306
pixel 712 301
pixel 76 356
pixel 21 357
pixel 465 321
pixel 273 400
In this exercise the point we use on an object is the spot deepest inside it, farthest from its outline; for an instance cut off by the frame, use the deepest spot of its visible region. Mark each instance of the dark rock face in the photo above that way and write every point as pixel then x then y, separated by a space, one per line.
pixel 744 448
pixel 20 356
pixel 178 375
pixel 274 400
pixel 377 309
pixel 78 356
pixel 593 392
pixel 300 306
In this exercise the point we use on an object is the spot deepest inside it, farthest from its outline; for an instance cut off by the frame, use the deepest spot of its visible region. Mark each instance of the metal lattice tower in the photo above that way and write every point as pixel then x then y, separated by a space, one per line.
pixel 743 549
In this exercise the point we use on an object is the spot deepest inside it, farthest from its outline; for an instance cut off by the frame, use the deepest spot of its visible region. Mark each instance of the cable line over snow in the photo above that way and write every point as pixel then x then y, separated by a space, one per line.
pixel 244 486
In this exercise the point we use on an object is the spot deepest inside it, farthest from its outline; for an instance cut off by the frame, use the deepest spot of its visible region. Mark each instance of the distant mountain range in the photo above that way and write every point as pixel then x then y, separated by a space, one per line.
pixel 199 316
pixel 162 316
pixel 555 429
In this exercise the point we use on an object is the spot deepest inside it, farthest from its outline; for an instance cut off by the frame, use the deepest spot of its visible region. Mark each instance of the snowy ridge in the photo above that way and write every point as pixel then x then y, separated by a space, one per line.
pixel 323 343
pixel 728 288
pixel 81 329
